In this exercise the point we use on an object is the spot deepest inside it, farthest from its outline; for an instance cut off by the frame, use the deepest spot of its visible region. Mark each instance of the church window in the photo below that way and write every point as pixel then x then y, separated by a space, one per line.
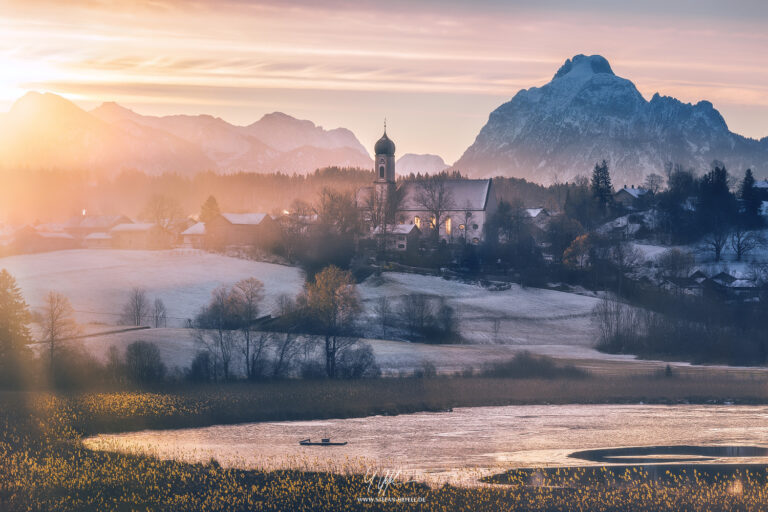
pixel 432 222
pixel 381 171
pixel 462 227
pixel 417 221
pixel 474 226
pixel 448 226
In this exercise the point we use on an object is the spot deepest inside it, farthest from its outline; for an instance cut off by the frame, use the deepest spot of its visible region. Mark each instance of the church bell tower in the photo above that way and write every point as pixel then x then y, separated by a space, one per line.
pixel 385 166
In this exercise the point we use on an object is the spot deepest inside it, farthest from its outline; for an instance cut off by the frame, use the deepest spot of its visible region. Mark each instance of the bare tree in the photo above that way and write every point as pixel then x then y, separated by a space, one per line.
pixel 416 310
pixel 248 295
pixel 626 258
pixel 716 240
pixel 653 183
pixel 286 348
pixel 339 209
pixel 434 196
pixel 216 327
pixel 744 241
pixel 294 224
pixel 256 360
pixel 159 313
pixel 383 209
pixel 58 324
pixel 383 310
pixel 164 212
pixel 675 263
pixel 331 304
pixel 136 308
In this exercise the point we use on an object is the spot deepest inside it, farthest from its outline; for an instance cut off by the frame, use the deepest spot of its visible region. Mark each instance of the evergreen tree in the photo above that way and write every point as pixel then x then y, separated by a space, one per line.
pixel 602 189
pixel 209 210
pixel 750 199
pixel 14 330
pixel 717 208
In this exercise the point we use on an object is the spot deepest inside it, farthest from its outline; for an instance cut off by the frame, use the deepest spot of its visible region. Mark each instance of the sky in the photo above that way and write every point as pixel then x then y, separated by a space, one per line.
pixel 434 69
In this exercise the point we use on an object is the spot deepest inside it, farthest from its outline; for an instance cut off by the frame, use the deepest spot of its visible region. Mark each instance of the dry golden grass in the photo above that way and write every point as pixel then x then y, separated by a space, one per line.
pixel 45 467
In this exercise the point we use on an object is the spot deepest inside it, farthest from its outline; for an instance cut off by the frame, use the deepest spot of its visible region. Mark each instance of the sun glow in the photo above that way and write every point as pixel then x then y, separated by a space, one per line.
pixel 18 74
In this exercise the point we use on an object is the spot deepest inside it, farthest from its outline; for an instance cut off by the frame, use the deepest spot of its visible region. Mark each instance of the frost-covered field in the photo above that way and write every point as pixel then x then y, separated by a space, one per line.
pixel 97 282
pixel 495 324
pixel 518 316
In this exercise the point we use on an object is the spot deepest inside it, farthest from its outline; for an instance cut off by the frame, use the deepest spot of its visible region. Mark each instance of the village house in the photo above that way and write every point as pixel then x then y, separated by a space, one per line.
pixel 242 229
pixel 142 235
pixel 465 205
pixel 631 198
pixel 194 236
pixel 29 239
pixel 399 237
pixel 98 240
pixel 83 225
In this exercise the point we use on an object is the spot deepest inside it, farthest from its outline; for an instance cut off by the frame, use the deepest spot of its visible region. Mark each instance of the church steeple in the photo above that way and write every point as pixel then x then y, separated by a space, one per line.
pixel 384 165
pixel 385 157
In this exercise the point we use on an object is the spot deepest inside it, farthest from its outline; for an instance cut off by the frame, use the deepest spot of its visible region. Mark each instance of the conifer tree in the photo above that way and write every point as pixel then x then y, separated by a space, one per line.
pixel 750 199
pixel 14 330
pixel 602 189
pixel 209 210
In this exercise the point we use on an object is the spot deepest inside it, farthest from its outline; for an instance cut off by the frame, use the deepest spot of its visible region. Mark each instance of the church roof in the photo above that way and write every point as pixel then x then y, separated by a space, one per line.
pixel 384 146
pixel 464 194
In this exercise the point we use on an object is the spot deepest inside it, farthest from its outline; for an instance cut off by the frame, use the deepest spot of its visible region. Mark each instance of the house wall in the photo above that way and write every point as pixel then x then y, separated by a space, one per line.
pixel 130 240
pixel 220 232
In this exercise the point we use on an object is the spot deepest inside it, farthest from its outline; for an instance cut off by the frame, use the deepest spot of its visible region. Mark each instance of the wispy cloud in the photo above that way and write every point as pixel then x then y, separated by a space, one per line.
pixel 158 53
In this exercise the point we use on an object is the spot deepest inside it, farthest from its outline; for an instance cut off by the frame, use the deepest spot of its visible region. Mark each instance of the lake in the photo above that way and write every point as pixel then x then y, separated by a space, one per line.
pixel 462 445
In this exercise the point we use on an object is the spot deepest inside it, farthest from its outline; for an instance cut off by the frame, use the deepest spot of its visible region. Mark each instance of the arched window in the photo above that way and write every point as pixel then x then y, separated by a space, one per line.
pixel 448 226
pixel 417 221
pixel 381 171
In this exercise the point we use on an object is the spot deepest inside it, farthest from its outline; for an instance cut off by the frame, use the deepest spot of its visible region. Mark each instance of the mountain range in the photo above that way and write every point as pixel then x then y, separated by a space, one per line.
pixel 557 131
pixel 48 131
pixel 586 114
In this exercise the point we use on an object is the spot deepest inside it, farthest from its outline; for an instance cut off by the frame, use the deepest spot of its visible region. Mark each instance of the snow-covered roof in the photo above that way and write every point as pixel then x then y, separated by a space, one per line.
pixel 55 234
pixel 244 218
pixel 464 194
pixel 195 229
pixel 50 227
pixel 761 184
pixel 398 229
pixel 634 192
pixel 742 283
pixel 97 221
pixel 98 235
pixel 133 227
pixel 535 212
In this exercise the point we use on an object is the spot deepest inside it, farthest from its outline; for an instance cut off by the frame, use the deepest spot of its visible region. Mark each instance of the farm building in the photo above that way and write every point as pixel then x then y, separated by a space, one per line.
pixel 243 229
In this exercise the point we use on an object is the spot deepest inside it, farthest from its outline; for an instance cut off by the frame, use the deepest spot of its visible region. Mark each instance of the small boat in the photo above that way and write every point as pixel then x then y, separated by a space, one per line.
pixel 326 441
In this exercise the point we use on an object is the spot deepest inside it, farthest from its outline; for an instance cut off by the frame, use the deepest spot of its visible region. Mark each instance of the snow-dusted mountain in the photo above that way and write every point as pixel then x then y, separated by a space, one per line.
pixel 586 113
pixel 48 131
pixel 413 163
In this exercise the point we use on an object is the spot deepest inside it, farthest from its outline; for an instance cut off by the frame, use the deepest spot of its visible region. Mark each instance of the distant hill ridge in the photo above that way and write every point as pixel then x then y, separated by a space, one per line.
pixel 48 131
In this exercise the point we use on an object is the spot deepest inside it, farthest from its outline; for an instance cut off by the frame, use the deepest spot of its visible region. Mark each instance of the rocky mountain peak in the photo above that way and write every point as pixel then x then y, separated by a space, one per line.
pixel 587 114
pixel 584 66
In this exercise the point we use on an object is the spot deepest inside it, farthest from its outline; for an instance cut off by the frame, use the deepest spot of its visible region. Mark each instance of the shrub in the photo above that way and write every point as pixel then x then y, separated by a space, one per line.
pixel 143 364
pixel 358 362
pixel 201 368
pixel 527 366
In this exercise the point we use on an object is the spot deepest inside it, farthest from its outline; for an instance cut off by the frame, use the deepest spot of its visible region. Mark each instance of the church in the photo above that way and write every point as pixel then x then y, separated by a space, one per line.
pixel 465 205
